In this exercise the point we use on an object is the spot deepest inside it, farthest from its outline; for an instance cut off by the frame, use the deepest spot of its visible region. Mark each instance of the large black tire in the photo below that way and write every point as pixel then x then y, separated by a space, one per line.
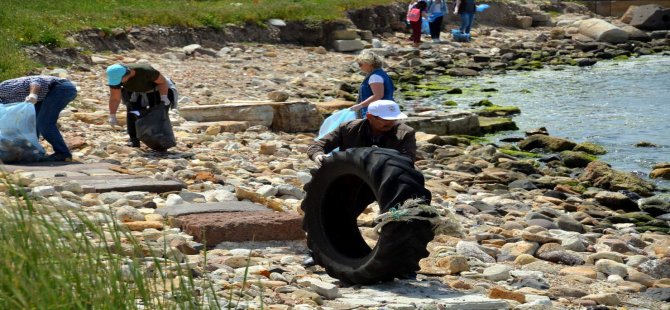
pixel 337 194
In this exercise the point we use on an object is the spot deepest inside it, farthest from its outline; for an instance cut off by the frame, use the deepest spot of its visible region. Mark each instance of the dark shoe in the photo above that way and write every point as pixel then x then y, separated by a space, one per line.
pixel 133 143
pixel 409 276
pixel 57 157
pixel 309 262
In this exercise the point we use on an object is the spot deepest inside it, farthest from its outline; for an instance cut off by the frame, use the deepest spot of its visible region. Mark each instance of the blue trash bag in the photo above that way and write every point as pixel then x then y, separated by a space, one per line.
pixel 337 118
pixel 482 7
pixel 18 133
pixel 459 36
pixel 425 28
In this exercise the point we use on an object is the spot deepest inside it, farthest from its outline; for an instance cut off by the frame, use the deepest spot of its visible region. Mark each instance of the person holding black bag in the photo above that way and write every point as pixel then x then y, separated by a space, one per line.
pixel 144 91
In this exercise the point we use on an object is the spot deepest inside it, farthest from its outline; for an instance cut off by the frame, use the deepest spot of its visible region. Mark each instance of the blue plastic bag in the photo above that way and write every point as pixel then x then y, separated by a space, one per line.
pixel 425 28
pixel 432 17
pixel 18 133
pixel 459 36
pixel 482 7
pixel 337 118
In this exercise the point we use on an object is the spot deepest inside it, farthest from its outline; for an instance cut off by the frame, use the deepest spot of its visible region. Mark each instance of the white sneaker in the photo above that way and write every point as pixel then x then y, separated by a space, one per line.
pixel 436 40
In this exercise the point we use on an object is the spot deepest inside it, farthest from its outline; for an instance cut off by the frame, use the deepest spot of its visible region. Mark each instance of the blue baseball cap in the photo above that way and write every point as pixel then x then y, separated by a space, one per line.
pixel 115 73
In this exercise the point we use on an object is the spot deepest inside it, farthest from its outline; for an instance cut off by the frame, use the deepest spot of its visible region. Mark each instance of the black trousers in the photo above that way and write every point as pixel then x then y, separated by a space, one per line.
pixel 136 106
pixel 436 27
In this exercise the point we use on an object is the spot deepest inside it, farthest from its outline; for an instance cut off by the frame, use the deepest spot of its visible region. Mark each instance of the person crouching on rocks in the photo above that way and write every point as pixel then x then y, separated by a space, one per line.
pixel 141 87
pixel 380 128
pixel 50 95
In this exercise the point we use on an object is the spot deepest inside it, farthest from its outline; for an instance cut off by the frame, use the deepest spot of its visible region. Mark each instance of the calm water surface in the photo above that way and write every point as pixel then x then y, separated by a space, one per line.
pixel 615 104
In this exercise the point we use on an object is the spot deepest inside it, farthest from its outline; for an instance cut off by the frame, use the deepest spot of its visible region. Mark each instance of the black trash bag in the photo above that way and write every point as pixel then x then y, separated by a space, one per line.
pixel 155 130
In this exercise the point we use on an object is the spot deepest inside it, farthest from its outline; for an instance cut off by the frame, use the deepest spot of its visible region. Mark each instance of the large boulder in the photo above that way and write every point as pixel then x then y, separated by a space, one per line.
pixel 649 17
pixel 546 142
pixel 255 113
pixel 458 123
pixel 602 175
pixel 602 31
pixel 294 116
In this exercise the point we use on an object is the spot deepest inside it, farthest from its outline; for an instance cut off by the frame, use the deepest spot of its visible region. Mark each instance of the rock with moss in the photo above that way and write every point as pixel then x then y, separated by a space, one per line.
pixel 495 124
pixel 602 175
pixel 482 103
pixel 550 143
pixel 450 103
pixel 520 154
pixel 497 110
pixel 576 159
pixel 590 148
pixel 433 86
pixel 655 205
pixel 660 172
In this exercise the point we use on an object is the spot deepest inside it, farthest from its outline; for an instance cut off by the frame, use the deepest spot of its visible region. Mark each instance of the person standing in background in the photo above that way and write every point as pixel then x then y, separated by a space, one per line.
pixel 50 95
pixel 466 10
pixel 414 16
pixel 437 10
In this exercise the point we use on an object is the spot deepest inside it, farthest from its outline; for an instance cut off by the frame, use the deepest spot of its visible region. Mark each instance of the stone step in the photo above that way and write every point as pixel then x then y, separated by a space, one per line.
pixel 124 183
pixel 290 116
pixel 210 207
pixel 240 223
pixel 216 127
pixel 413 296
pixel 96 177
pixel 348 45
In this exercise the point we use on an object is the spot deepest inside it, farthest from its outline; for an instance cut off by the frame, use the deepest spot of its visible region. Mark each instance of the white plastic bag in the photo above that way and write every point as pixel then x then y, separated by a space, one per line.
pixel 334 120
pixel 18 133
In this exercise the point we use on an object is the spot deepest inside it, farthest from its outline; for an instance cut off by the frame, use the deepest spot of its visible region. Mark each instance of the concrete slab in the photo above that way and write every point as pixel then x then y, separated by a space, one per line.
pixel 126 183
pixel 417 293
pixel 58 166
pixel 213 228
pixel 53 174
pixel 210 207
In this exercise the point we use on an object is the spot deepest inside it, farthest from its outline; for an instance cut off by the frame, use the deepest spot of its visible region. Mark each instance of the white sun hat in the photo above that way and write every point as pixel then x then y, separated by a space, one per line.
pixel 386 109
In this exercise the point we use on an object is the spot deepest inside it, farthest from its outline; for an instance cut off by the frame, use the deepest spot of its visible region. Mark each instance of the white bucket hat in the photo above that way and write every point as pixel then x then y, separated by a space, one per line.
pixel 386 109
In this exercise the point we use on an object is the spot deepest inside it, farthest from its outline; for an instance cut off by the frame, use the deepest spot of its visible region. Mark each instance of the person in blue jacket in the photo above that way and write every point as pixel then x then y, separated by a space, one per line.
pixel 377 84
pixel 437 11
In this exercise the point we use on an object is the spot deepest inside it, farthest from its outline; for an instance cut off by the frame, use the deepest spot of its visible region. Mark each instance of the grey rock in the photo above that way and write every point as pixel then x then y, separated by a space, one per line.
pixel 610 267
pixel 536 283
pixel 659 268
pixel 497 272
pixel 661 294
pixel 523 184
pixel 471 249
pixel 542 223
pixel 562 257
pixel 191 196
pixel 656 205
pixel 566 222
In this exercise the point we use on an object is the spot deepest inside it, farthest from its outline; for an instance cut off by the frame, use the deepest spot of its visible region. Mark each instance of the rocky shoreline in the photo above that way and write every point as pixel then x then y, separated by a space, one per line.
pixel 540 231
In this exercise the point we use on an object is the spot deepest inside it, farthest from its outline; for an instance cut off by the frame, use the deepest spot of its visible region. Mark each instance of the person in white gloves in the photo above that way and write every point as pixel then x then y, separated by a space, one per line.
pixel 140 87
pixel 381 128
pixel 50 95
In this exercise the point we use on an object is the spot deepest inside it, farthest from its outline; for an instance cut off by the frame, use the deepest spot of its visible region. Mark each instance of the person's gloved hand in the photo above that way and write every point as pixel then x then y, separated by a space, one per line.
pixel 165 100
pixel 318 159
pixel 112 120
pixel 32 98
